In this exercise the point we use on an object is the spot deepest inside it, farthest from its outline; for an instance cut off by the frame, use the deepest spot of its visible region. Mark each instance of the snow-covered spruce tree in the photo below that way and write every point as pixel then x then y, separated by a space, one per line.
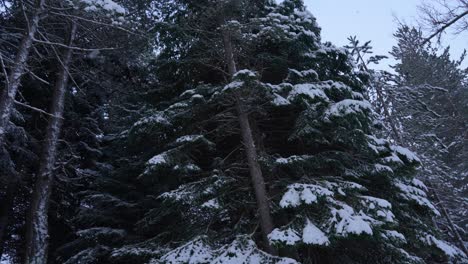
pixel 432 87
pixel 428 87
pixel 422 107
pixel 336 193
pixel 416 94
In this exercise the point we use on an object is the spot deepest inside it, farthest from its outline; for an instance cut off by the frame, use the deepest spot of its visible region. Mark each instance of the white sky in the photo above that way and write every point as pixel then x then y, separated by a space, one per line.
pixel 372 20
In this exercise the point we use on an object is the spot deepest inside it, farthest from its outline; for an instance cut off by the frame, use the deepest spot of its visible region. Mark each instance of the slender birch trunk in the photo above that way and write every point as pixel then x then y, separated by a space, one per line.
pixel 256 175
pixel 37 230
pixel 7 98
pixel 14 78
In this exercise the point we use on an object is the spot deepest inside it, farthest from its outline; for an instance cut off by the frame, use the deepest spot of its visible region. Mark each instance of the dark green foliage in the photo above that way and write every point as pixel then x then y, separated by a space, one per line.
pixel 153 169
pixel 179 181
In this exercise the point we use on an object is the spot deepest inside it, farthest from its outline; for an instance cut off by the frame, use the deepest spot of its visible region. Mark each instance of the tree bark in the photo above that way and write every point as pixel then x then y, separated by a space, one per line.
pixel 7 99
pixel 37 230
pixel 258 182
pixel 229 53
pixel 11 89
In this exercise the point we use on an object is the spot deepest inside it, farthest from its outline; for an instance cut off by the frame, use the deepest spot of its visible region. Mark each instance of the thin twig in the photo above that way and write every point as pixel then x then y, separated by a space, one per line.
pixel 37 77
pixel 71 47
pixel 37 109
pixel 98 23
pixel 61 63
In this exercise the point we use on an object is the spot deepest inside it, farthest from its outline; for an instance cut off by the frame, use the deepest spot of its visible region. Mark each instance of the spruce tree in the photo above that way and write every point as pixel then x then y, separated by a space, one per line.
pixel 432 87
pixel 180 189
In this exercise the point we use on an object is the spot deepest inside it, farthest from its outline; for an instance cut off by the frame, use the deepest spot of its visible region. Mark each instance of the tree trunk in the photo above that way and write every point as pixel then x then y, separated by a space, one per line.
pixel 9 93
pixel 258 181
pixel 37 231
pixel 229 53
pixel 7 99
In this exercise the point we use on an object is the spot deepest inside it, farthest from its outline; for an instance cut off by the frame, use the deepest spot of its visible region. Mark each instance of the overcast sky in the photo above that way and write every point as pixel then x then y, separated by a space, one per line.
pixel 371 20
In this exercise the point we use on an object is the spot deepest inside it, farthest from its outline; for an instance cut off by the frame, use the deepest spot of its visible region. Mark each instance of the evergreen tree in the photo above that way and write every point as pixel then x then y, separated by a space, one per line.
pixel 179 190
pixel 430 86
pixel 416 93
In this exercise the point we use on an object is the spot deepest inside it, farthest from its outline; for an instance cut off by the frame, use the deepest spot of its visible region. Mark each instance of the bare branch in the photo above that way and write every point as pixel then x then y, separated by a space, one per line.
pixel 97 22
pixel 61 62
pixel 445 26
pixel 36 109
pixel 71 47
pixel 37 77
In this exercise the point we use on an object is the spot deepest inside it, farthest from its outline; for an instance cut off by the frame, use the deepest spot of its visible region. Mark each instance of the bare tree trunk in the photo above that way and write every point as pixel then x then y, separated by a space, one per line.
pixel 229 53
pixel 258 181
pixel 14 78
pixel 7 99
pixel 37 230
